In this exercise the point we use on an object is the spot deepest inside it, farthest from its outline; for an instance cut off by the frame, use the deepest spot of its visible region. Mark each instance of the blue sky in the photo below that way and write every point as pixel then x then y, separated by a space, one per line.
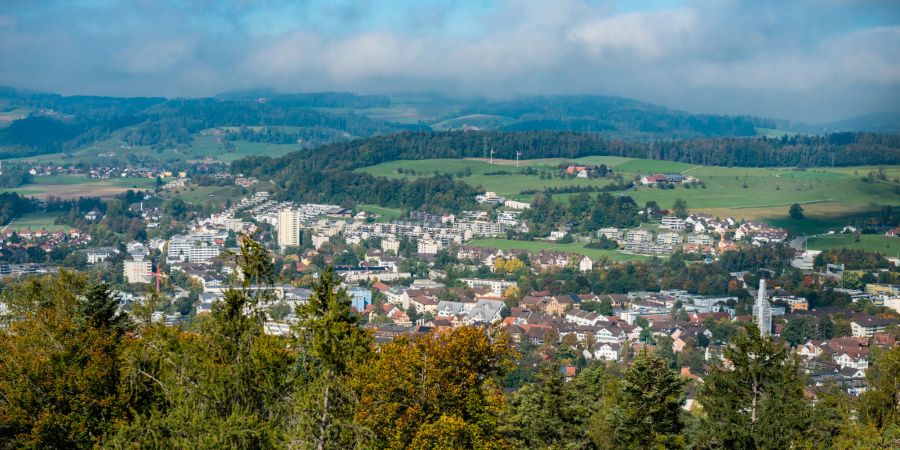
pixel 804 60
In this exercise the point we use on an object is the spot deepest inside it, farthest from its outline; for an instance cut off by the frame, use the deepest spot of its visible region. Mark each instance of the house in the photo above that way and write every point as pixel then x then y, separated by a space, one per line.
pixel 581 317
pixel 649 180
pixel 607 351
pixel 558 305
pixel 867 326
pixel 486 311
pixel 810 350
pixel 93 215
pixel 585 265
pixel 100 254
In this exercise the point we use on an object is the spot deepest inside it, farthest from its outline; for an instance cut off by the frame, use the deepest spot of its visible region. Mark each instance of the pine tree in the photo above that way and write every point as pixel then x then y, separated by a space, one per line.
pixel 329 343
pixel 644 408
pixel 758 401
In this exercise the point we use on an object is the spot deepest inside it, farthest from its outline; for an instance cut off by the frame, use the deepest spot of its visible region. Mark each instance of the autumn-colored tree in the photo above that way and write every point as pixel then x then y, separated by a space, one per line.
pixel 59 364
pixel 441 382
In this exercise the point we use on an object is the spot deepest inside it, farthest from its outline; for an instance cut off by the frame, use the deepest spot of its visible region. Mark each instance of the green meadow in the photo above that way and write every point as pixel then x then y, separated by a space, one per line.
pixel 575 247
pixel 73 186
pixel 889 246
pixel 830 196
pixel 37 221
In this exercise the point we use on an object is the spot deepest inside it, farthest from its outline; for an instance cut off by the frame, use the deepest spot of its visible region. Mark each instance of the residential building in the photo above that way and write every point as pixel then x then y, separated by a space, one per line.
pixel 867 326
pixel 498 287
pixel 137 270
pixel 673 222
pixel 289 221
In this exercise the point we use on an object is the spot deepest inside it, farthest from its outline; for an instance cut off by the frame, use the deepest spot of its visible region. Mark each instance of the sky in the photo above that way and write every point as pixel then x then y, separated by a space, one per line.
pixel 802 60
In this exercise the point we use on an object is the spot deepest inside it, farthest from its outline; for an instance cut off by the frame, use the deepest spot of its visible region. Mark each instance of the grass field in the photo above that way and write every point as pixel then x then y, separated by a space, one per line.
pixel 37 221
pixel 204 147
pixel 889 246
pixel 537 246
pixel 202 194
pixel 387 214
pixel 74 186
pixel 831 197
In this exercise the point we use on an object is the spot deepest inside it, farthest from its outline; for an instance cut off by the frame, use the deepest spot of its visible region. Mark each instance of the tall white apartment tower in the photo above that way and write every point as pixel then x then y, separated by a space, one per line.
pixel 762 311
pixel 288 228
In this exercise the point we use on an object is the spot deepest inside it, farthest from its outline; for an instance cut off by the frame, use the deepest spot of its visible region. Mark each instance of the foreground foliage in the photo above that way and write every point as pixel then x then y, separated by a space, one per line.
pixel 74 373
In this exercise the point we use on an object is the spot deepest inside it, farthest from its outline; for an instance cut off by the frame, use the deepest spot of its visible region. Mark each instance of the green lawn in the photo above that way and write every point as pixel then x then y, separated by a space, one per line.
pixel 387 214
pixel 537 246
pixel 203 194
pixel 37 221
pixel 889 246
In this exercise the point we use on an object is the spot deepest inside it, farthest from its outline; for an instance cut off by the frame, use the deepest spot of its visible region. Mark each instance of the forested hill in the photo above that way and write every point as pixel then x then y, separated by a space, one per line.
pixel 613 116
pixel 57 123
pixel 839 149
pixel 323 174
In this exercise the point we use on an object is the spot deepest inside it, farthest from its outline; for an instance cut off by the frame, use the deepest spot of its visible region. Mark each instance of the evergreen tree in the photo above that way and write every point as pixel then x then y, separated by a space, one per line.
pixel 644 411
pixel 329 343
pixel 758 402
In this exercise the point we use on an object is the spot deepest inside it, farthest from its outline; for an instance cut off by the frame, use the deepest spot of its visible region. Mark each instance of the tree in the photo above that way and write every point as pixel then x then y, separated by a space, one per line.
pixel 759 402
pixel 796 211
pixel 410 389
pixel 539 414
pixel 879 406
pixel 59 364
pixel 798 331
pixel 680 209
pixel 329 342
pixel 645 412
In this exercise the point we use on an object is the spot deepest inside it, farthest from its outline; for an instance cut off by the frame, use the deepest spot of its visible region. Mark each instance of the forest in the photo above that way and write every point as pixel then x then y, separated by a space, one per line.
pixel 75 373
pixel 615 117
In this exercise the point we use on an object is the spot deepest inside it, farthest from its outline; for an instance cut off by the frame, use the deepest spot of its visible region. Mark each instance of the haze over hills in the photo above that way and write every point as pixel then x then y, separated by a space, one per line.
pixel 39 123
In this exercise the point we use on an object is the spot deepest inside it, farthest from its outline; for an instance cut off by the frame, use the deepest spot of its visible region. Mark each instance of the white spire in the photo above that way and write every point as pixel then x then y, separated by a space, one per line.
pixel 762 311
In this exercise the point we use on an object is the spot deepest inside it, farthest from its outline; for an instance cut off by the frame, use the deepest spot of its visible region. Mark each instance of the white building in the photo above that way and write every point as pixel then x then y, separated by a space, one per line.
pixel 513 204
pixel 137 270
pixel 496 286
pixel 289 221
pixel 428 246
pixel 639 236
pixel 194 248
pixel 669 238
pixel 95 255
pixel 673 222
pixel 585 265
pixel 390 245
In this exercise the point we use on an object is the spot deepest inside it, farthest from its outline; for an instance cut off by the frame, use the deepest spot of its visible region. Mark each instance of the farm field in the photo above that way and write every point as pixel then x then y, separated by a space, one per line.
pixel 74 186
pixel 889 246
pixel 37 221
pixel 204 147
pixel 537 246
pixel 830 196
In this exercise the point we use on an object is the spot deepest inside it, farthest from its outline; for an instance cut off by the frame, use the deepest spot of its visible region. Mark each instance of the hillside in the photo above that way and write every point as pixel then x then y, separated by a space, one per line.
pixel 50 123
pixel 40 123
pixel 612 116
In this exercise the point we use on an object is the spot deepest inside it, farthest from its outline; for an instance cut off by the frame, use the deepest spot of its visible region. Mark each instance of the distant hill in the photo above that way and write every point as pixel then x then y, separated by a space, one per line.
pixel 612 116
pixel 64 123
pixel 39 123
pixel 879 122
